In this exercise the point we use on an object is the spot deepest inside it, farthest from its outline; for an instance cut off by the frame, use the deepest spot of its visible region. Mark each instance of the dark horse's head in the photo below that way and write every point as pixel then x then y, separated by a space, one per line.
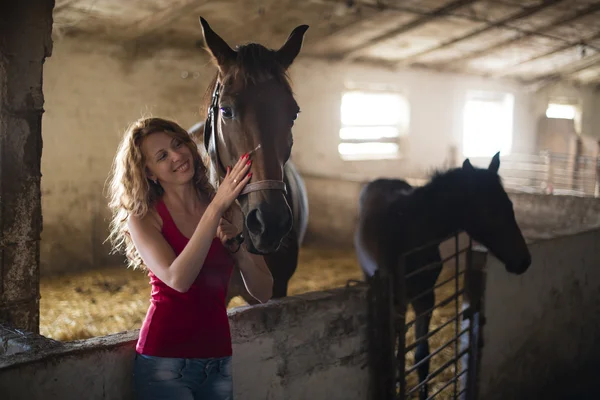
pixel 252 110
pixel 489 217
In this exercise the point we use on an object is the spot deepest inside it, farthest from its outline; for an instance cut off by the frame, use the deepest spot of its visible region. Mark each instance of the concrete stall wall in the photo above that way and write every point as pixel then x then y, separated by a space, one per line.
pixel 94 90
pixel 541 336
pixel 300 347
pixel 334 207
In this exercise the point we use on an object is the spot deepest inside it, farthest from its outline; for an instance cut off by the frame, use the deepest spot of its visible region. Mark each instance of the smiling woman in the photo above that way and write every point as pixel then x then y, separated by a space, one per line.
pixel 169 220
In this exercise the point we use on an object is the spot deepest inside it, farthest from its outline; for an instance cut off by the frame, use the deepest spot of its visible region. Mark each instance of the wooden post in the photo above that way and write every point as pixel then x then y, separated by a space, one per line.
pixel 381 338
pixel 473 308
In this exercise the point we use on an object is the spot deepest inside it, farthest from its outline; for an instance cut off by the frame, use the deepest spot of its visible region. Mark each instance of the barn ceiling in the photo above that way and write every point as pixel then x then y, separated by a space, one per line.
pixel 529 40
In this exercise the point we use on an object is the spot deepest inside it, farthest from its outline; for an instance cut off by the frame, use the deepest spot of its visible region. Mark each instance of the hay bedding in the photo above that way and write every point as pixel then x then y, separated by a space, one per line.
pixel 110 300
pixel 100 302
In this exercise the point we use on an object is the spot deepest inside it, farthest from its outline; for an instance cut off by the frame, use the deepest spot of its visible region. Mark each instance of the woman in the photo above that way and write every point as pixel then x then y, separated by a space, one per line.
pixel 165 218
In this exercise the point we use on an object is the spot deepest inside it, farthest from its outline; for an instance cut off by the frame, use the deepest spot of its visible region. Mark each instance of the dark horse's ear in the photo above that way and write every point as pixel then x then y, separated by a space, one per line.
pixel 217 47
pixel 290 49
pixel 495 163
pixel 467 165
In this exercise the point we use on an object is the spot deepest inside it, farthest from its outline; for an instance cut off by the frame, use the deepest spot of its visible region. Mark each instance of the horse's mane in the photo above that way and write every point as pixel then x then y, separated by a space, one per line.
pixel 450 178
pixel 254 63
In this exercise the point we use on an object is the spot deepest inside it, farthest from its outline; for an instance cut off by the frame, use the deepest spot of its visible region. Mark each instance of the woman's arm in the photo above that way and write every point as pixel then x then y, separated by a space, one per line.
pixel 180 272
pixel 255 273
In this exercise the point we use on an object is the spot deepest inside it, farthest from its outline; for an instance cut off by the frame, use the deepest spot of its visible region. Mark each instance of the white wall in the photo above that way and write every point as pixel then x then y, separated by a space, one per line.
pixel 436 102
pixel 587 98
pixel 541 335
pixel 93 90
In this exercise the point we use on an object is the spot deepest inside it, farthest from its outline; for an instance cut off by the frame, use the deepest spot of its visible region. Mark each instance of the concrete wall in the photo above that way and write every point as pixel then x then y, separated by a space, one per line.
pixel 296 348
pixel 541 336
pixel 333 206
pixel 93 90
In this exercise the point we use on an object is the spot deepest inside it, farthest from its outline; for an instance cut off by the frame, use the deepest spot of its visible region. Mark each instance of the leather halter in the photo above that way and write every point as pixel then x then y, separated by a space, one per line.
pixel 210 143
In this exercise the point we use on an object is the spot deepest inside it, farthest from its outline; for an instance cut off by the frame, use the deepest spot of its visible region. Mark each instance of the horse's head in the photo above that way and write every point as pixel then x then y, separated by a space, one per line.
pixel 253 111
pixel 489 217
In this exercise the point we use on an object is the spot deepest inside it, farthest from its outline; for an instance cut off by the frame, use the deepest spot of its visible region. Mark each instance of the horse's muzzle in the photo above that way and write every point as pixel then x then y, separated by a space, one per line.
pixel 266 227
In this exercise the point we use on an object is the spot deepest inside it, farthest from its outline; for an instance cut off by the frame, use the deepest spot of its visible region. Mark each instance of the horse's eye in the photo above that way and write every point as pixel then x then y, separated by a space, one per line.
pixel 227 112
pixel 295 117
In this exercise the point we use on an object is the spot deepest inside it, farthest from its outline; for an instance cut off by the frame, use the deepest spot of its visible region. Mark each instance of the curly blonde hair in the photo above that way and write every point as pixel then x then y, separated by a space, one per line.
pixel 131 193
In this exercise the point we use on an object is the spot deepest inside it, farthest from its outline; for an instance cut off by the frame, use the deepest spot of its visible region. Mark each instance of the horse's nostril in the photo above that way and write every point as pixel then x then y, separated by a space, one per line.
pixel 254 222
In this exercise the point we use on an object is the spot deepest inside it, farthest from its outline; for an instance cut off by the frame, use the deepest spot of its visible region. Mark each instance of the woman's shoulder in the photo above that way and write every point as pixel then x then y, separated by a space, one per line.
pixel 151 219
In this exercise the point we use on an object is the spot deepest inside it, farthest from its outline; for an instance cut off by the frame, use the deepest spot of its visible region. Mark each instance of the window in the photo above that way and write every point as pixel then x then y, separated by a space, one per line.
pixel 372 122
pixel 565 111
pixel 487 124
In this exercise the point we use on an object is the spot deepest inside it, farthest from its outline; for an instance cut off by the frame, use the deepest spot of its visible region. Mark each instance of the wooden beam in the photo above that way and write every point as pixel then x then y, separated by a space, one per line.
pixel 476 54
pixel 522 14
pixel 158 20
pixel 565 71
pixel 507 71
pixel 438 12
pixel 465 17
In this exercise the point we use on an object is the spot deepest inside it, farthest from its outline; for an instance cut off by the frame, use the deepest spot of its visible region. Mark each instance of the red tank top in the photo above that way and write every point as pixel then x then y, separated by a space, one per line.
pixel 192 324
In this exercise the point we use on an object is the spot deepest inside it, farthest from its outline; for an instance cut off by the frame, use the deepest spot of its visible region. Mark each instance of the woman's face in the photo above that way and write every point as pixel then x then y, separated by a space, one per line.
pixel 167 159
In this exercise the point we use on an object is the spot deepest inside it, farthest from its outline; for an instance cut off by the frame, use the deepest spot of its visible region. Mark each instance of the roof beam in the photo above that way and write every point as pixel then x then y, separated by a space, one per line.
pixel 507 71
pixel 476 54
pixel 438 12
pixel 574 67
pixel 147 26
pixel 522 14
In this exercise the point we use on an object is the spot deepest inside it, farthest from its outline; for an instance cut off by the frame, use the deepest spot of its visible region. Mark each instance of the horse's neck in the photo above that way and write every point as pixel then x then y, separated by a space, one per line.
pixel 431 215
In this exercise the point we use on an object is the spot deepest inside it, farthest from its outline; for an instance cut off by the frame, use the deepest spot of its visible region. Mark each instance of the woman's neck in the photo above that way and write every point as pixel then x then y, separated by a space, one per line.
pixel 183 198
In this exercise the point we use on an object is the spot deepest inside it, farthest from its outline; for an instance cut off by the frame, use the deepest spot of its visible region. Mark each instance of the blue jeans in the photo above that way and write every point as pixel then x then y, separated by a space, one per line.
pixel 157 378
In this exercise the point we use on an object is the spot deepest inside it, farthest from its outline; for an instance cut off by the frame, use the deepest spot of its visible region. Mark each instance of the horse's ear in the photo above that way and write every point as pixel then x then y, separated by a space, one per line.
pixel 290 49
pixel 467 165
pixel 495 163
pixel 217 47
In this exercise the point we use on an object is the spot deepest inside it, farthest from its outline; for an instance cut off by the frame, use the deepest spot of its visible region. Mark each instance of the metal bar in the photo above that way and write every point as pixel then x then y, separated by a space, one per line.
pixel 433 332
pixel 430 266
pixel 522 14
pixel 436 373
pixel 431 243
pixel 456 313
pixel 454 379
pixel 431 355
pixel 439 305
pixel 423 293
pixel 407 27
pixel 400 286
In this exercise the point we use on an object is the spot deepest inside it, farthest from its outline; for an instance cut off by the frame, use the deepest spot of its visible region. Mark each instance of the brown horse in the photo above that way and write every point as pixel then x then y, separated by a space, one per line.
pixel 251 109
pixel 395 218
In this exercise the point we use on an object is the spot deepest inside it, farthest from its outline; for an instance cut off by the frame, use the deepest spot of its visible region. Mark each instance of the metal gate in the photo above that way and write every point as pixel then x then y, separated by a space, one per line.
pixel 454 334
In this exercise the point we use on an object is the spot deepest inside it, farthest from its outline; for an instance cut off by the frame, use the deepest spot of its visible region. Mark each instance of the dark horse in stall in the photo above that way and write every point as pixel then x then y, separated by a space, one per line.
pixel 394 218
pixel 251 109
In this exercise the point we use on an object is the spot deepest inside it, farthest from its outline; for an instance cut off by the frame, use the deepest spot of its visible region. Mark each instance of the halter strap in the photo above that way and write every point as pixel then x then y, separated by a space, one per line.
pixel 210 143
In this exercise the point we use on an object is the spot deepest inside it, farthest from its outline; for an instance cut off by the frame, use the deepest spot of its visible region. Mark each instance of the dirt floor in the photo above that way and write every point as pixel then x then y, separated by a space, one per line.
pixel 111 300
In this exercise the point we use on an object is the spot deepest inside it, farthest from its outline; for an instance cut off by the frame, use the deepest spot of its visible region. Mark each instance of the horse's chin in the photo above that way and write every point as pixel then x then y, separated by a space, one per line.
pixel 254 245
pixel 261 250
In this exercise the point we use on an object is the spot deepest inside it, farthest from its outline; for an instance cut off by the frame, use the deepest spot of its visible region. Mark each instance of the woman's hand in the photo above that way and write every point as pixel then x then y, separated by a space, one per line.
pixel 233 183
pixel 227 231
